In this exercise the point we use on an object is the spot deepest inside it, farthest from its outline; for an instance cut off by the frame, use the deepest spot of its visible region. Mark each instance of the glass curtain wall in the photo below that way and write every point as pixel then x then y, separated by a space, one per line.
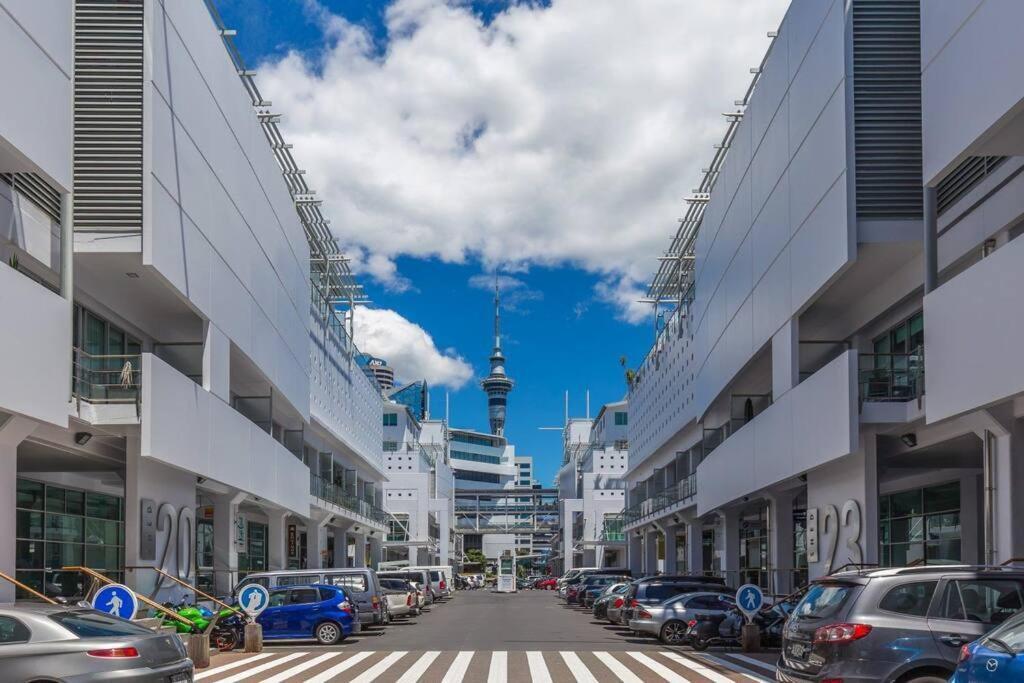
pixel 921 526
pixel 754 546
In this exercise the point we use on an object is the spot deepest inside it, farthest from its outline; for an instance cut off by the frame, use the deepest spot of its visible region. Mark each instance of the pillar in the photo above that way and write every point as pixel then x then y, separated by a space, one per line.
pixel 931 240
pixel 316 539
pixel 359 555
pixel 375 545
pixel 695 546
pixel 634 553
pixel 1009 477
pixel 785 358
pixel 341 545
pixel 727 544
pixel 216 362
pixel 12 432
pixel 277 539
pixel 225 550
pixel 670 548
pixel 444 522
pixel 650 552
pixel 780 541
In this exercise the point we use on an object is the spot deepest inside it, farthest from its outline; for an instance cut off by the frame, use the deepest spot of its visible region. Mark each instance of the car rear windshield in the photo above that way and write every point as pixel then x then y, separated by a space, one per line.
pixel 823 601
pixel 394 584
pixel 90 624
pixel 435 576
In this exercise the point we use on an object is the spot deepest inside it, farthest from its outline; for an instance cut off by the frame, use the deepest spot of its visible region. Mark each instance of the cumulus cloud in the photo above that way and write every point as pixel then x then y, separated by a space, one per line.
pixel 515 293
pixel 624 295
pixel 553 134
pixel 408 348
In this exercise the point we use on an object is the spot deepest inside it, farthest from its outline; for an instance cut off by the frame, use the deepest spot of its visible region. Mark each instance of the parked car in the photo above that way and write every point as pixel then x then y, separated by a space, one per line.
pixel 361 585
pixel 906 624
pixel 419 578
pixel 316 611
pixel 546 584
pixel 603 601
pixel 576 580
pixel 56 642
pixel 403 600
pixel 593 585
pixel 656 589
pixel 726 629
pixel 670 620
pixel 995 657
pixel 440 580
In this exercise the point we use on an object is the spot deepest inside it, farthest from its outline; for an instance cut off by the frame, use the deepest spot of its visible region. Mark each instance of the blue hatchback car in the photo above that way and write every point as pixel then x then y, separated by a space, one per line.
pixel 316 611
pixel 996 657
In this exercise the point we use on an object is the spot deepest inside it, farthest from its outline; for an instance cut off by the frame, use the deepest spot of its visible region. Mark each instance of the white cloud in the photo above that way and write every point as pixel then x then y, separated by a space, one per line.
pixel 515 293
pixel 624 295
pixel 561 134
pixel 408 348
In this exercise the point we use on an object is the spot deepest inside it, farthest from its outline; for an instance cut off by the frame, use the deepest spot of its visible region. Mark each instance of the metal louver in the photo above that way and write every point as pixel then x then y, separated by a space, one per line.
pixel 963 178
pixel 37 190
pixel 887 108
pixel 108 115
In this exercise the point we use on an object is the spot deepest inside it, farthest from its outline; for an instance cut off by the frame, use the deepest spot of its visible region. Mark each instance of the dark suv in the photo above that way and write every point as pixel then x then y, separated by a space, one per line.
pixel 657 589
pixel 905 624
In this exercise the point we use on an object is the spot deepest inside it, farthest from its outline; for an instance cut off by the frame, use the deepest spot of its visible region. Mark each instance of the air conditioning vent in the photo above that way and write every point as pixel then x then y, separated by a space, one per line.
pixel 963 178
pixel 887 108
pixel 108 115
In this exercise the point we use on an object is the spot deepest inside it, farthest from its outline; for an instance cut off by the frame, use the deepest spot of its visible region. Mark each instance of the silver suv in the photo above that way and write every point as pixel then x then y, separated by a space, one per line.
pixel 905 624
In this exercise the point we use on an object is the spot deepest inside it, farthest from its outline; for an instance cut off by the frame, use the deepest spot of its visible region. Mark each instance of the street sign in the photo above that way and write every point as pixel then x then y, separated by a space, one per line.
pixel 749 599
pixel 117 600
pixel 253 599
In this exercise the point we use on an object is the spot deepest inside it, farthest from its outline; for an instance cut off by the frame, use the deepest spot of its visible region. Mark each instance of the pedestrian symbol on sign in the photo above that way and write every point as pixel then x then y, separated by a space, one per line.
pixel 749 599
pixel 117 600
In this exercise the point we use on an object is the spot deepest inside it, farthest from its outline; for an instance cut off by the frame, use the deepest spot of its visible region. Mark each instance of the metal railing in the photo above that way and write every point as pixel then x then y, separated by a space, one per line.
pixel 891 376
pixel 107 379
pixel 612 530
pixel 665 498
pixel 331 493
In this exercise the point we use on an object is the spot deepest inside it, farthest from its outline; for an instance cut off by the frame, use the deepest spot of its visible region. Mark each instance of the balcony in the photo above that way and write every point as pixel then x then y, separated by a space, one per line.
pixel 612 530
pixel 336 495
pixel 663 500
pixel 891 377
pixel 742 409
pixel 106 389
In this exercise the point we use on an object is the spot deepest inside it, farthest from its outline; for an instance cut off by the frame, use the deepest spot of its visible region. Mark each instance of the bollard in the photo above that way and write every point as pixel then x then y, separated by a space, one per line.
pixel 198 646
pixel 253 638
pixel 750 638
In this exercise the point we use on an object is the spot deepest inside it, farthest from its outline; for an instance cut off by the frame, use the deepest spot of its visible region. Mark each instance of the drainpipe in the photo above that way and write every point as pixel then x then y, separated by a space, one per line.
pixel 988 475
pixel 931 238
pixel 67 266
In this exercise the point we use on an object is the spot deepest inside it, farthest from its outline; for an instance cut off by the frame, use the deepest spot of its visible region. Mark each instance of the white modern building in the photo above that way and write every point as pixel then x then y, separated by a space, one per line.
pixel 782 425
pixel 591 487
pixel 180 391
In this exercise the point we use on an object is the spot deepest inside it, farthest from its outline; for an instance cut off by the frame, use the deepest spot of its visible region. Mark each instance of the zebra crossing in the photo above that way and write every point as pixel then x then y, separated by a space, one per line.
pixel 641 666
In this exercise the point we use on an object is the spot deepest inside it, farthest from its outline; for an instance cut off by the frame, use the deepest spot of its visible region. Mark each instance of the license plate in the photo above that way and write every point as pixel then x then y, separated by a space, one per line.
pixel 799 650
pixel 180 677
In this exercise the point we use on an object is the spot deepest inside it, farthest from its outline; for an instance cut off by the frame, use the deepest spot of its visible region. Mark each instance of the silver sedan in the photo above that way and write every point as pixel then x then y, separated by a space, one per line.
pixel 55 642
pixel 669 620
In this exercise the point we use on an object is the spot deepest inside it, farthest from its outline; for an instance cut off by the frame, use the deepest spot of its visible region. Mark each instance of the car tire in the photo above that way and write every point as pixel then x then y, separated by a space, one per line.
pixel 673 632
pixel 329 633
pixel 926 679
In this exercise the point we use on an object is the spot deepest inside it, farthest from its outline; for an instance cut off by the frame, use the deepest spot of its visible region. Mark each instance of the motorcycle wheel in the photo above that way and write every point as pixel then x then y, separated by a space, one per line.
pixel 226 640
pixel 699 644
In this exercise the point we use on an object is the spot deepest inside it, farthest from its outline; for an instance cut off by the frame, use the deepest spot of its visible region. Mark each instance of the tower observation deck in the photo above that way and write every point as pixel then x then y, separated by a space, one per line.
pixel 497 384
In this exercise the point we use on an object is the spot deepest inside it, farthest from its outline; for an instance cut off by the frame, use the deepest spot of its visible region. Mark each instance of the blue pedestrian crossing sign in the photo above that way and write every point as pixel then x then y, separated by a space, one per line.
pixel 749 599
pixel 117 600
pixel 253 599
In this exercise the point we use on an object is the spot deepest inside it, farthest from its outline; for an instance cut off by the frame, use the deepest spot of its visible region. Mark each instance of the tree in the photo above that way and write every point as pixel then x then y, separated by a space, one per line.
pixel 630 372
pixel 475 556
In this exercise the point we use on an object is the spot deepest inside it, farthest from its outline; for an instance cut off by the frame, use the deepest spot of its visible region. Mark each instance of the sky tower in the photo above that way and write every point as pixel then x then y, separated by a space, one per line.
pixel 497 384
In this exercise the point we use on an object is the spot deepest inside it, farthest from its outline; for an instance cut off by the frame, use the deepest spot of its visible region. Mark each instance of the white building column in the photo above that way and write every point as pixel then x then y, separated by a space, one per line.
pixel 225 550
pixel 727 544
pixel 634 553
pixel 444 540
pixel 695 546
pixel 669 532
pixel 1008 478
pixel 216 361
pixel 12 432
pixel 785 358
pixel 316 539
pixel 277 539
pixel 780 540
pixel 341 545
pixel 359 554
pixel 375 545
pixel 650 551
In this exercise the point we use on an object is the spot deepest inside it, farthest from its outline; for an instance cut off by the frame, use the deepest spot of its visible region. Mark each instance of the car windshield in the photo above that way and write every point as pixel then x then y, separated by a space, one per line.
pixel 91 624
pixel 1011 632
pixel 823 600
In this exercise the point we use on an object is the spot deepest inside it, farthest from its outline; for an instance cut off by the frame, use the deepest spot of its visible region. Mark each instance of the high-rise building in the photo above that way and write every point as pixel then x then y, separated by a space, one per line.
pixel 415 396
pixel 378 370
pixel 497 384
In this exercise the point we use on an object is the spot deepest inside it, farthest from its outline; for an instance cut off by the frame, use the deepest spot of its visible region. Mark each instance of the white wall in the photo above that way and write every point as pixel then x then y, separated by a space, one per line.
pixel 219 223
pixel 35 49
pixel 185 426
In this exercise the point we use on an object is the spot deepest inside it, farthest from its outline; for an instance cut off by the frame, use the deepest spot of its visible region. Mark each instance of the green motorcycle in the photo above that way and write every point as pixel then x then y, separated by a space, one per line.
pixel 227 633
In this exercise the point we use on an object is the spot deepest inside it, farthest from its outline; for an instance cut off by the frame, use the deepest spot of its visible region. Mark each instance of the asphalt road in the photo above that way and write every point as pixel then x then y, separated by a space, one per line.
pixel 527 637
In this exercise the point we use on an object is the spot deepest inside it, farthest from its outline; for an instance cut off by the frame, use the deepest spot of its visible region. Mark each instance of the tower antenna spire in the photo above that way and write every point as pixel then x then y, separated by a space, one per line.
pixel 497 384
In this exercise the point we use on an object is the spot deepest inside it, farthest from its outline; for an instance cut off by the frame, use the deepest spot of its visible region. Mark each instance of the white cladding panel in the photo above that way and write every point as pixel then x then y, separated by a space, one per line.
pixel 220 224
pixel 185 426
pixel 973 347
pixel 35 349
pixel 35 49
pixel 971 78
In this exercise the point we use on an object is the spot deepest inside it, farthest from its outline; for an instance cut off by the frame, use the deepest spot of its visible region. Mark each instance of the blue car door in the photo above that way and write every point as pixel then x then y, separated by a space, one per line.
pixel 274 619
pixel 303 610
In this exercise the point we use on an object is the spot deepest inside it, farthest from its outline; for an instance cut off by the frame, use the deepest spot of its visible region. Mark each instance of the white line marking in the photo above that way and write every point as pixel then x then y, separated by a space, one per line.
pixel 756 662
pixel 538 669
pixel 577 668
pixel 498 672
pixel 660 669
pixel 457 670
pixel 299 668
pixel 619 669
pixel 699 668
pixel 377 669
pixel 732 666
pixel 416 670
pixel 263 667
pixel 325 676
pixel 233 665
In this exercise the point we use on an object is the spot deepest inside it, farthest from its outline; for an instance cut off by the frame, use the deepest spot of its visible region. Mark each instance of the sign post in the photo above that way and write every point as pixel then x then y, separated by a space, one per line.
pixel 253 599
pixel 507 573
pixel 750 599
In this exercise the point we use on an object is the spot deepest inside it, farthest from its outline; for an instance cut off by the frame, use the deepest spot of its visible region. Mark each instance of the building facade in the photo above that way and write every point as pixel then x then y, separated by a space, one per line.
pixel 781 425
pixel 182 393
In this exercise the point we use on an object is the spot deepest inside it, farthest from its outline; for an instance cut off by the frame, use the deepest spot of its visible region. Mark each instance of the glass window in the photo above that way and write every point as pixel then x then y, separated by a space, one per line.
pixel 304 596
pixel 621 418
pixel 54 499
pixel 823 601
pixel 29 524
pixel 13 631
pixel 942 498
pixel 989 601
pixel 1011 633
pixel 64 528
pixel 906 503
pixel 390 446
pixel 911 598
pixel 28 555
pixel 102 506
pixel 298 579
pixel 93 624
pixel 922 525
pixel 30 495
pixel 278 598
pixel 390 419
pixel 356 582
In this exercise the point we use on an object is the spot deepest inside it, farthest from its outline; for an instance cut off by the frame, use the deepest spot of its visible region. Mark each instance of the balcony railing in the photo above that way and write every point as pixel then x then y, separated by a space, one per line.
pixel 107 379
pixel 332 493
pixel 891 376
pixel 676 493
pixel 612 530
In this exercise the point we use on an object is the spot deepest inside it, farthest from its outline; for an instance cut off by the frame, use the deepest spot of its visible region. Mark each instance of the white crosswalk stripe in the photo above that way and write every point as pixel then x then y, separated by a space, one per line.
pixel 377 669
pixel 457 671
pixel 658 668
pixel 262 667
pixel 619 669
pixel 245 661
pixel 498 673
pixel 698 668
pixel 299 668
pixel 755 662
pixel 577 668
pixel 419 668
pixel 732 666
pixel 538 669
pixel 338 668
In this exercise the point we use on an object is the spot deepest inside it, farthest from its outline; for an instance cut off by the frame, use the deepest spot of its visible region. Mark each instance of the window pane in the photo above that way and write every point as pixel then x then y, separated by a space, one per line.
pixel 944 552
pixel 907 529
pixel 60 555
pixel 942 498
pixel 902 554
pixel 75 501
pixel 304 596
pixel 102 506
pixel 102 532
pixel 944 527
pixel 92 624
pixel 28 555
pixel 30 495
pixel 63 528
pixel 101 557
pixel 906 503
pixel 29 524
pixel 990 601
pixel 912 598
pixel 54 499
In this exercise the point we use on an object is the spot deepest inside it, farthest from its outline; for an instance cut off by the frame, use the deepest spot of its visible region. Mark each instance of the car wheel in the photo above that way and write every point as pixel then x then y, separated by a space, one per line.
pixel 673 633
pixel 329 633
pixel 926 679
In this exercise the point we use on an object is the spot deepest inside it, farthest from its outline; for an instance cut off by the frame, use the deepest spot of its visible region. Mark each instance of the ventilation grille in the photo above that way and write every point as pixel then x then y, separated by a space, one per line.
pixel 887 108
pixel 963 178
pixel 108 115
pixel 37 190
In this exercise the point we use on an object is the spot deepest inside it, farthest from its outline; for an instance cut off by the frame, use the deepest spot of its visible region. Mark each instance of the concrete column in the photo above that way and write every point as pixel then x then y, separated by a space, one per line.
pixel 359 556
pixel 931 240
pixel 341 545
pixel 1009 508
pixel 780 540
pixel 376 547
pixel 670 549
pixel 216 362
pixel 785 358
pixel 316 539
pixel 650 552
pixel 634 553
pixel 12 432
pixel 727 544
pixel 277 539
pixel 445 539
pixel 695 546
pixel 225 552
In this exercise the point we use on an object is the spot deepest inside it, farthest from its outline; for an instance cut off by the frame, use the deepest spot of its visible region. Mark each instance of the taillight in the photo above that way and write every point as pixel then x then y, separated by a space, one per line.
pixel 841 633
pixel 644 614
pixel 444 586
pixel 345 606
pixel 618 603
pixel 408 600
pixel 691 623
pixel 965 654
pixel 118 652
pixel 374 601
pixel 634 603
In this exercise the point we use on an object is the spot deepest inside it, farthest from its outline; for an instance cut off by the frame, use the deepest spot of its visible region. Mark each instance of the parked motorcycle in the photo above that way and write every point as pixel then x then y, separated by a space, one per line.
pixel 726 628
pixel 227 633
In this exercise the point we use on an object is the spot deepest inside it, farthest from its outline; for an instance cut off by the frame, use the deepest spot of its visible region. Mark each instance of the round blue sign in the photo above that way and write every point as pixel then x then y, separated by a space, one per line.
pixel 253 599
pixel 117 600
pixel 749 598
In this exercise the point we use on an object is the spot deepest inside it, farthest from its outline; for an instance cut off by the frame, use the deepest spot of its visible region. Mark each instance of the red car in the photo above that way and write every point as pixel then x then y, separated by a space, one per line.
pixel 546 584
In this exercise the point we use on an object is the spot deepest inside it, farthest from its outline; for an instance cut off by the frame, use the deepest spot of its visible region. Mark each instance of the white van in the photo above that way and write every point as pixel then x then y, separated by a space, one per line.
pixel 442 579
